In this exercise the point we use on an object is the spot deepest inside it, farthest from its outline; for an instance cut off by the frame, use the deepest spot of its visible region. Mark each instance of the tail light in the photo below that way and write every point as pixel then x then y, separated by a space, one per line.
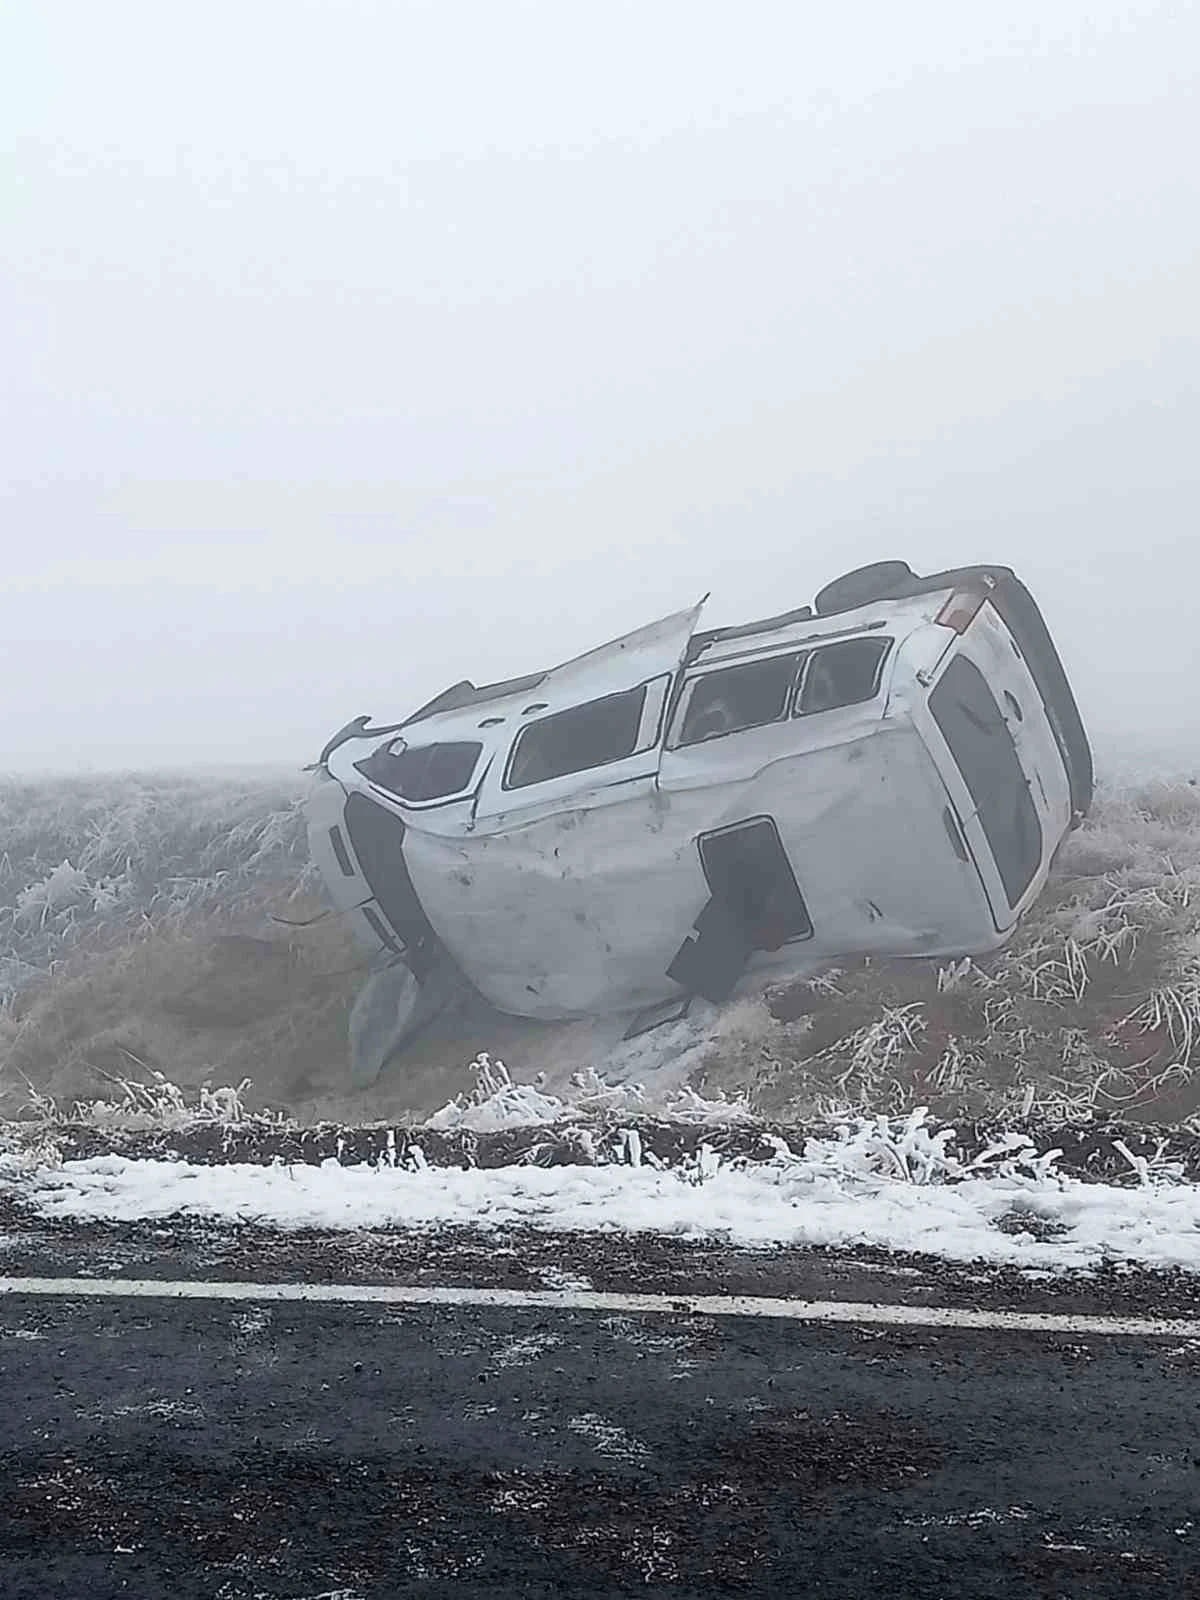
pixel 961 609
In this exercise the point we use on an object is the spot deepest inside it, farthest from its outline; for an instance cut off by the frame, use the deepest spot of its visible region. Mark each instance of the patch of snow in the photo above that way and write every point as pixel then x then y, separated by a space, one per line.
pixel 523 1352
pixel 636 1330
pixel 647 1074
pixel 982 1518
pixel 556 1278
pixel 143 1106
pixel 497 1103
pixel 608 1439
pixel 162 1409
pixel 246 1326
pixel 895 1184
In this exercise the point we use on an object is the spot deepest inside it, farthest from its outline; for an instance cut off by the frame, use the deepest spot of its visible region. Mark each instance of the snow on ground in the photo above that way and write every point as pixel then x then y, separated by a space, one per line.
pixel 497 1103
pixel 893 1184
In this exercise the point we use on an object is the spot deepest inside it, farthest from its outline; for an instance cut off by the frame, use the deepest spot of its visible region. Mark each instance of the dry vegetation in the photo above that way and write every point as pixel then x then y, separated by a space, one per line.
pixel 170 926
pixel 1094 1009
pixel 141 932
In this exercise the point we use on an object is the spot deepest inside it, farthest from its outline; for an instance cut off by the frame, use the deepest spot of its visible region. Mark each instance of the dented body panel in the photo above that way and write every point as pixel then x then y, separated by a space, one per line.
pixel 582 912
pixel 560 885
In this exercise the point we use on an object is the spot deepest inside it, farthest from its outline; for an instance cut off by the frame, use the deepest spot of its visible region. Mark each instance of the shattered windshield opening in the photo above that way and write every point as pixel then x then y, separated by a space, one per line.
pixel 430 772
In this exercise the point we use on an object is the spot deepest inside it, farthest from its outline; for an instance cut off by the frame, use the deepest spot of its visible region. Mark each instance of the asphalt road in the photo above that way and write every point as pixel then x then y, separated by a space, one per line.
pixel 529 1258
pixel 154 1446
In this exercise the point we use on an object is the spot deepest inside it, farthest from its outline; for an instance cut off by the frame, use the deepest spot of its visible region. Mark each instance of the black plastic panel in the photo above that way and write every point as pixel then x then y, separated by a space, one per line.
pixel 378 840
pixel 749 873
pixel 342 856
pixel 755 904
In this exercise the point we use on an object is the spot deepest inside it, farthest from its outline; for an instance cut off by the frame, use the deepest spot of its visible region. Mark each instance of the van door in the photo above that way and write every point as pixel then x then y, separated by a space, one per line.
pixel 731 720
pixel 991 791
pixel 994 648
pixel 592 728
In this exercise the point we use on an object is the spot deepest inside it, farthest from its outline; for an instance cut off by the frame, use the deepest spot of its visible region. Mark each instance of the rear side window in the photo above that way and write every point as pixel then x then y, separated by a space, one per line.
pixel 746 696
pixel 969 720
pixel 591 735
pixel 427 772
pixel 842 674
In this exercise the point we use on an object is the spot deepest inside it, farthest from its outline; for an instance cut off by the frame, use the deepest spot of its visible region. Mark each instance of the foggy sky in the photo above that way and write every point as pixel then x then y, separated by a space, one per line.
pixel 349 349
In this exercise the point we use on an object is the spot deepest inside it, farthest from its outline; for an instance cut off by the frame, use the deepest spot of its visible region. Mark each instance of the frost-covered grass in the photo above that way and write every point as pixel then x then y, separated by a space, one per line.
pixel 1094 1008
pixel 147 936
pixel 135 1106
pixel 171 926
pixel 92 860
pixel 908 1184
pixel 497 1103
pixel 895 1184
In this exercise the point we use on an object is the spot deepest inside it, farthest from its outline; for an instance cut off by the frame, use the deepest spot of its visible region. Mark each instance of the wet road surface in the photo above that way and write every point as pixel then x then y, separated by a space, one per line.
pixel 157 1446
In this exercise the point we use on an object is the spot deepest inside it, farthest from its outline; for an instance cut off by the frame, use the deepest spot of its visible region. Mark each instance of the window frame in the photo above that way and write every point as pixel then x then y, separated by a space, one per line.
pixel 796 653
pixel 655 694
pixel 803 655
pixel 886 641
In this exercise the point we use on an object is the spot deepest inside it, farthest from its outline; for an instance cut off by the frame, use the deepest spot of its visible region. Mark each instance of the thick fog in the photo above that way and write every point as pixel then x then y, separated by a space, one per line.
pixel 352 348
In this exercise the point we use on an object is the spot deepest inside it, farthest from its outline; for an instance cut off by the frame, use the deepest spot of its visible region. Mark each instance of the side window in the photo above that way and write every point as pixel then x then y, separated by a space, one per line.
pixel 971 723
pixel 735 698
pixel 842 674
pixel 591 735
pixel 426 772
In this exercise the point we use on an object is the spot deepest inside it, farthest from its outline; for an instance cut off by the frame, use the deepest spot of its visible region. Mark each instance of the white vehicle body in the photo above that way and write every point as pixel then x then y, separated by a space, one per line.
pixel 745 819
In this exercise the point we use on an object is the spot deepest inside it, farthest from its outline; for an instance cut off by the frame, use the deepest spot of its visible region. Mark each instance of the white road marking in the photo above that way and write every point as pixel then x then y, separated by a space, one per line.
pixel 819 1311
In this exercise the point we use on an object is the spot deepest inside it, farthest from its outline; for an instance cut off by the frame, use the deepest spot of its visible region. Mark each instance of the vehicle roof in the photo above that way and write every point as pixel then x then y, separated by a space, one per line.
pixel 897 617
pixel 458 711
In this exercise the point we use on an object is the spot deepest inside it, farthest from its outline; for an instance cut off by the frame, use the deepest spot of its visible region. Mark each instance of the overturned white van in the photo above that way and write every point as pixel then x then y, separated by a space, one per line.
pixel 889 771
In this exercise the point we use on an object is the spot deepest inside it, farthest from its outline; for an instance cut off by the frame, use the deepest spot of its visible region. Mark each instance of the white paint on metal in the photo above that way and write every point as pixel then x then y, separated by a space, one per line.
pixel 851 1312
pixel 580 913
pixel 570 897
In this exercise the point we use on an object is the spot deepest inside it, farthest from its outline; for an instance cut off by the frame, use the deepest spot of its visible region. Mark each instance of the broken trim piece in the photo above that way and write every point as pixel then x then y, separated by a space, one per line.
pixel 658 1016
